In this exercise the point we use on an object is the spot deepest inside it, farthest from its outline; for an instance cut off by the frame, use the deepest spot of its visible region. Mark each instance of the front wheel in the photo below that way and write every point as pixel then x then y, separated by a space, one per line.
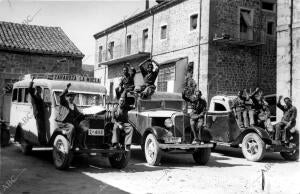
pixel 62 154
pixel 253 147
pixel 201 156
pixel 119 160
pixel 152 150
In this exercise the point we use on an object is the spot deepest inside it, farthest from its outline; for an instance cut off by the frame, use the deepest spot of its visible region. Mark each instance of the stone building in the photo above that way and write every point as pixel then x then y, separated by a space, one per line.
pixel 33 49
pixel 288 51
pixel 232 45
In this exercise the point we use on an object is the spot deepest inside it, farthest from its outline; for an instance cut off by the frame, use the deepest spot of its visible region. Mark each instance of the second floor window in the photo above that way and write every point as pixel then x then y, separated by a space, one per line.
pixel 193 22
pixel 163 32
pixel 270 28
pixel 145 39
pixel 111 50
pixel 128 43
pixel 100 53
pixel 246 24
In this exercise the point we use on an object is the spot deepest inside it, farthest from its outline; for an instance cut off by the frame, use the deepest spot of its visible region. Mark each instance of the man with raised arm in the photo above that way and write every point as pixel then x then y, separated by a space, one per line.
pixel 288 120
pixel 71 119
pixel 38 111
pixel 127 81
pixel 149 75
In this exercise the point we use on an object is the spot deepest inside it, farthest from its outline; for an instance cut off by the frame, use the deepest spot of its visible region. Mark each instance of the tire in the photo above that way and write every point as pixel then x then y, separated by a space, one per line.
pixel 201 156
pixel 290 156
pixel 5 136
pixel 118 160
pixel 26 148
pixel 151 150
pixel 253 147
pixel 61 153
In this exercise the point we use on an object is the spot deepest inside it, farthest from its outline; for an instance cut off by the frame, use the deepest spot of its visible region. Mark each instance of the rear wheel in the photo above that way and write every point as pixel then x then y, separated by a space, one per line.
pixel 119 160
pixel 253 147
pixel 201 156
pixel 62 154
pixel 152 150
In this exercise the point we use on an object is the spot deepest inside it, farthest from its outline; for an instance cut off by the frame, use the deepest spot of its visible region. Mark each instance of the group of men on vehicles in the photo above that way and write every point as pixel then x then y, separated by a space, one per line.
pixel 250 109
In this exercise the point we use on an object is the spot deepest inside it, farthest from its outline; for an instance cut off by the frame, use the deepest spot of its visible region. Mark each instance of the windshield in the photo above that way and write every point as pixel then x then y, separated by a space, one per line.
pixel 161 104
pixel 83 99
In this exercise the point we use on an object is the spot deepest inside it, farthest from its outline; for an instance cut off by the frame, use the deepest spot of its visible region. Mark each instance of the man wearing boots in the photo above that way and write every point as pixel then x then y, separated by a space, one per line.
pixel 71 119
pixel 120 120
pixel 197 114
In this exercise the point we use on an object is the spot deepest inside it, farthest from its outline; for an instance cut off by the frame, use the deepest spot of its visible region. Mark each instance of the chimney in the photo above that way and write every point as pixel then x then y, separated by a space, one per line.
pixel 147 4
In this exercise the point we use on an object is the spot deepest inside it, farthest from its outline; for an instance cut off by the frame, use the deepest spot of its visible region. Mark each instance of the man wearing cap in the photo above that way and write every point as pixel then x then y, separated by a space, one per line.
pixel 70 118
pixel 288 120
pixel 120 120
pixel 197 114
pixel 239 109
pixel 38 111
pixel 148 88
pixel 127 81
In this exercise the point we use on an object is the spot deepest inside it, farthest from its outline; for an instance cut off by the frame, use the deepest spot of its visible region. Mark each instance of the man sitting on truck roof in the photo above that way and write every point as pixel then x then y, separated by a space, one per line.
pixel 70 118
pixel 148 88
pixel 127 81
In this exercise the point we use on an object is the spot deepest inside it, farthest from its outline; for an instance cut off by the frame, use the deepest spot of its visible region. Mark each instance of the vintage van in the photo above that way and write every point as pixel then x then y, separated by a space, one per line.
pixel 89 95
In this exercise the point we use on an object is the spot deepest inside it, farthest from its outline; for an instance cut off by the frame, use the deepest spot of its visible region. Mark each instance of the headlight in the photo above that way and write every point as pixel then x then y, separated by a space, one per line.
pixel 168 123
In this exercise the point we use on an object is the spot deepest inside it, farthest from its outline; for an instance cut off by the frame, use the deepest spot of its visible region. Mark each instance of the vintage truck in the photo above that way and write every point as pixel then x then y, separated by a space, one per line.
pixel 222 126
pixel 161 124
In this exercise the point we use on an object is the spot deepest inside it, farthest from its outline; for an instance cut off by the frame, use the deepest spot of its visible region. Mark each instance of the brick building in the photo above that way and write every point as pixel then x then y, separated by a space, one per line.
pixel 33 49
pixel 232 45
pixel 288 51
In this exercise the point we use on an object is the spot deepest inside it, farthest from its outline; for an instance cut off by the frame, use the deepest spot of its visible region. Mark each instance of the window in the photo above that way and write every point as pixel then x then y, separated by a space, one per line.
pixel 145 39
pixel 47 96
pixel 219 107
pixel 100 53
pixel 20 94
pixel 270 28
pixel 111 50
pixel 26 95
pixel 246 24
pixel 268 6
pixel 15 95
pixel 128 44
pixel 163 32
pixel 193 22
pixel 166 73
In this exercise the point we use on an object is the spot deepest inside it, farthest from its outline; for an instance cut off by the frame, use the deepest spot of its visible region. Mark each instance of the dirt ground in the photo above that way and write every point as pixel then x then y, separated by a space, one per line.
pixel 226 172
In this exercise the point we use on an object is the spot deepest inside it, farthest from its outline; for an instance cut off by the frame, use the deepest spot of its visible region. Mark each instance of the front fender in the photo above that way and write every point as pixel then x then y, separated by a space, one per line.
pixel 261 132
pixel 58 131
pixel 159 133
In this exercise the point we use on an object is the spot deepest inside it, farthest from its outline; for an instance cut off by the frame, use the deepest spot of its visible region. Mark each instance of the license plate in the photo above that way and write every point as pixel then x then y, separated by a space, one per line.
pixel 96 132
pixel 172 140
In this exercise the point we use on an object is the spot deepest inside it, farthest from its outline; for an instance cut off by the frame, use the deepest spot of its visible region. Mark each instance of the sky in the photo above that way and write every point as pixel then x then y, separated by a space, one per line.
pixel 80 20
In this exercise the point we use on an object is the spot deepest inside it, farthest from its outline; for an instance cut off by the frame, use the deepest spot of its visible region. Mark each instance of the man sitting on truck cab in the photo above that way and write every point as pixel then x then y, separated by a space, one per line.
pixel 197 114
pixel 288 120
pixel 127 81
pixel 239 109
pixel 70 119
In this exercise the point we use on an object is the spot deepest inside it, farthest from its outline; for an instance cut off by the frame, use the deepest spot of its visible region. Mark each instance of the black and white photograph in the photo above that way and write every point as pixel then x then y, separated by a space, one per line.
pixel 149 96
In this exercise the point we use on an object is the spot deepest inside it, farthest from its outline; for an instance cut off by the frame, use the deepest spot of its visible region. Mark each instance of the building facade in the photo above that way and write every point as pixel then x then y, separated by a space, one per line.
pixel 288 51
pixel 28 49
pixel 231 44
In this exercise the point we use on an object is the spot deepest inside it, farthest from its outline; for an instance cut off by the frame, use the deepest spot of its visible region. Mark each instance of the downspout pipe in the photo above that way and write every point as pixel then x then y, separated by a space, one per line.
pixel 291 47
pixel 151 52
pixel 199 44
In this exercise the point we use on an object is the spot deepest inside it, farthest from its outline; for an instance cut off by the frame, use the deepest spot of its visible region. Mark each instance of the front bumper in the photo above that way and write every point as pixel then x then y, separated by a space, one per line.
pixel 185 146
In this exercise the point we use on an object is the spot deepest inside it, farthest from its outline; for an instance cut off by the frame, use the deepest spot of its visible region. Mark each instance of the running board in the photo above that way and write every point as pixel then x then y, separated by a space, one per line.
pixel 185 146
pixel 103 151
